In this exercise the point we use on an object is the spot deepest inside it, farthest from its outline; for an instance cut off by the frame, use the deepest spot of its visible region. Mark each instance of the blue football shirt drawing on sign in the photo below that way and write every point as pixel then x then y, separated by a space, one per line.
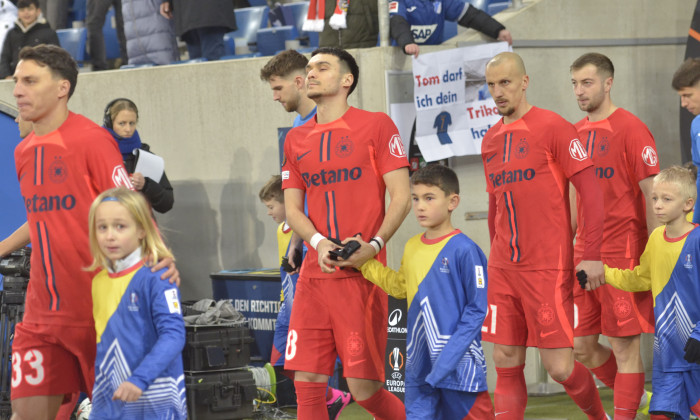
pixel 442 121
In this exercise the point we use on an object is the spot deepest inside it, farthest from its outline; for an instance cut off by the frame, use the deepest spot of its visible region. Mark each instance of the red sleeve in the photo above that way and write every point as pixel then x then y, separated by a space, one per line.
pixel 568 151
pixel 391 154
pixel 291 177
pixel 641 152
pixel 105 164
pixel 492 216
pixel 591 198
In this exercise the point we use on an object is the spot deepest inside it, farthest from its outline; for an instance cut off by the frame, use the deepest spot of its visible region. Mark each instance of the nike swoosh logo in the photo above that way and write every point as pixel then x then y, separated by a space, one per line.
pixel 355 362
pixel 299 156
pixel 488 159
pixel 621 323
pixel 543 334
pixel 502 412
pixel 410 9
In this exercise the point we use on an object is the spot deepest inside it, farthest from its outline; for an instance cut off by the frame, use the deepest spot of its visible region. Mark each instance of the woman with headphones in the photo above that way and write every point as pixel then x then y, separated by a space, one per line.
pixel 120 118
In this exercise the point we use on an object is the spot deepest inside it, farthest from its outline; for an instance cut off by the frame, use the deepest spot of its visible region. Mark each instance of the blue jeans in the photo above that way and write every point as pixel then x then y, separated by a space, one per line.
pixel 206 42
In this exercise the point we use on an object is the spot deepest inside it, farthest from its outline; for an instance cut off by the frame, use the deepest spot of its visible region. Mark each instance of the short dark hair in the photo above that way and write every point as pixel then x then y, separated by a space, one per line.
pixel 437 175
pixel 687 75
pixel 59 61
pixel 346 60
pixel 601 62
pixel 284 64
pixel 21 4
pixel 272 190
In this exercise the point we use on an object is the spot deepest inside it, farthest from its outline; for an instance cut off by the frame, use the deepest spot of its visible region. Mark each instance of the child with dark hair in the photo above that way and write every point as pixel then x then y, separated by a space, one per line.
pixel 443 276
pixel 30 30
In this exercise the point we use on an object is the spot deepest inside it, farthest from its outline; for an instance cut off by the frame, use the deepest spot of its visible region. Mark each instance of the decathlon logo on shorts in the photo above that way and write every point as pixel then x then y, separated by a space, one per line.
pixel 577 151
pixel 396 146
pixel 120 177
pixel 649 156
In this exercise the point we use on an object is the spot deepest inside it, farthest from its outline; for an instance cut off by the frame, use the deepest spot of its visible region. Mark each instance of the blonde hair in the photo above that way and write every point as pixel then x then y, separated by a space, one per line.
pixel 681 177
pixel 152 245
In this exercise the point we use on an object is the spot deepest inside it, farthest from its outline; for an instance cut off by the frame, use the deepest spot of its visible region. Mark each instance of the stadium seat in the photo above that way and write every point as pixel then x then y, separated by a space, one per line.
pixel 496 7
pixel 73 40
pixel 109 30
pixel 249 20
pixel 480 4
pixel 193 60
pixel 135 66
pixel 236 57
pixel 271 40
pixel 450 30
pixel 295 14
pixel 77 11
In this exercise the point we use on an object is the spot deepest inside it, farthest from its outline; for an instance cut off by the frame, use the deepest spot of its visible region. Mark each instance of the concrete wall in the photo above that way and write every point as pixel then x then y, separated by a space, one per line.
pixel 216 126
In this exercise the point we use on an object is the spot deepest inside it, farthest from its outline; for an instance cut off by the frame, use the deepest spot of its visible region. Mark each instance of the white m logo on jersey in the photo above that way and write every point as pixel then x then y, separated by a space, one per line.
pixel 121 178
pixel 649 156
pixel 577 151
pixel 396 146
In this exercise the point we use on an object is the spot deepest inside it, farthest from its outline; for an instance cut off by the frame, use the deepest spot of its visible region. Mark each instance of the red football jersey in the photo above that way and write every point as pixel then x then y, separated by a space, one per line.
pixel 528 164
pixel 624 153
pixel 339 166
pixel 60 174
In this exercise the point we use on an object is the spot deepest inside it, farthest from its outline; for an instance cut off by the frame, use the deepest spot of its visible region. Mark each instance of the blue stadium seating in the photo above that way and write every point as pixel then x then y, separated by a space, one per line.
pixel 271 40
pixel 77 11
pixel 136 66
pixel 496 7
pixel 480 4
pixel 110 34
pixel 249 20
pixel 73 40
pixel 450 30
pixel 296 14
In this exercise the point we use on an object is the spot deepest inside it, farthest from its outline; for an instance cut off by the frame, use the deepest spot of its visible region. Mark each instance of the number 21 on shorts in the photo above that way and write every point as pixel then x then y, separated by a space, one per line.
pixel 489 326
pixel 35 360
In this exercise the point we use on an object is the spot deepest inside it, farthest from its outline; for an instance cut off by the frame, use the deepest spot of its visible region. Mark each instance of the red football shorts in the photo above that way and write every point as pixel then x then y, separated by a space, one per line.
pixel 52 360
pixel 613 312
pixel 344 317
pixel 530 308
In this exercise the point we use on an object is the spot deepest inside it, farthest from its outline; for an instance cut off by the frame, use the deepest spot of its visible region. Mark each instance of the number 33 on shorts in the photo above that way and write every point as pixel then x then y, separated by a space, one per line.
pixel 34 359
pixel 291 350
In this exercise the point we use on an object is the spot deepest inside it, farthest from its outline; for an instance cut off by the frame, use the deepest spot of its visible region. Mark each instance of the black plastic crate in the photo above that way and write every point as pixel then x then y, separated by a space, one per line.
pixel 216 347
pixel 220 395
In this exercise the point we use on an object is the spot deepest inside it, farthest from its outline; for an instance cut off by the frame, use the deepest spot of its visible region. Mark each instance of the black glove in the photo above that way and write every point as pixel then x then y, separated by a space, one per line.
pixel 692 351
pixel 582 278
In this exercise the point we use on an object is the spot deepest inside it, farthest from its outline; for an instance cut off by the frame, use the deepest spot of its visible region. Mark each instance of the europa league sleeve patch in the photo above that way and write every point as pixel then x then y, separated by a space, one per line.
pixel 173 301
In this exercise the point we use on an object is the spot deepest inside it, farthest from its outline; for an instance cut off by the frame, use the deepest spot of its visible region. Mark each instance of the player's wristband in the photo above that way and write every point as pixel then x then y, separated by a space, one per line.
pixel 316 239
pixel 377 242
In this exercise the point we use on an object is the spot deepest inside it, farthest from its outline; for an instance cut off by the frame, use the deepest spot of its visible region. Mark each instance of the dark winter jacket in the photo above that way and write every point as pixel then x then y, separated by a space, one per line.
pixel 159 194
pixel 194 14
pixel 38 33
pixel 362 22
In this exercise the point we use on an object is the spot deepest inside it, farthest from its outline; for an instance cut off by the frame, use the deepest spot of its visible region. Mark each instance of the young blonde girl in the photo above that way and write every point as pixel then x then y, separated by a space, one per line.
pixel 140 331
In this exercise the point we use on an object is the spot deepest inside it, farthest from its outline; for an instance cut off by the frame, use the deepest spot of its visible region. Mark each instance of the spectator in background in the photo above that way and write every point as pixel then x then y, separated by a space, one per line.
pixel 120 118
pixel 415 22
pixel 8 15
pixel 96 13
pixel 55 12
pixel 150 38
pixel 201 25
pixel 30 30
pixel 344 24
